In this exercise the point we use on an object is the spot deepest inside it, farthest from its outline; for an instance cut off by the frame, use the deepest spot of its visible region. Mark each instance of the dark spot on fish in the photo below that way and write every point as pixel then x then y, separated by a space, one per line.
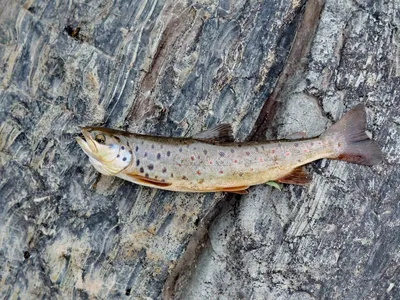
pixel 235 161
pixel 247 153
pixel 151 167
pixel 162 180
pixel 180 149
pixel 296 144
pixel 137 148
pixel 187 146
pixel 130 151
pixel 122 147
pixel 172 175
pixel 147 175
pixel 124 159
pixel 156 176
pixel 152 146
pixel 145 154
pixel 205 152
pixel 141 170
pixel 164 170
pixel 232 151
pixel 192 157
pixel 221 172
pixel 198 172
pixel 239 145
pixel 118 155
pixel 168 153
pixel 184 177
pixel 117 138
pixel 221 153
pixel 142 142
pixel 198 156
pixel 262 147
pixel 240 174
pixel 137 163
pixel 158 155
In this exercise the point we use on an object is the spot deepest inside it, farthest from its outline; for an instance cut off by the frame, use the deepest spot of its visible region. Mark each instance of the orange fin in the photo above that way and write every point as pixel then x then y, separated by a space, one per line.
pixel 241 190
pixel 148 181
pixel 298 176
pixel 221 133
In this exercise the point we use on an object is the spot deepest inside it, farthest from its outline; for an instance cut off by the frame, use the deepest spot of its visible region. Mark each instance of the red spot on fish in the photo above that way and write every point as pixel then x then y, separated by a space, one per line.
pixel 192 157
pixel 179 165
pixel 273 151
pixel 235 161
pixel 210 162
pixel 287 153
pixel 198 172
pixel 252 169
pixel 305 150
pixel 221 172
pixel 247 153
pixel 260 159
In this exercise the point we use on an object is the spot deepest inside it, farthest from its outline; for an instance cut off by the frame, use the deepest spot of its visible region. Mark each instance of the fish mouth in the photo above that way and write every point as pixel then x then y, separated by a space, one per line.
pixel 86 142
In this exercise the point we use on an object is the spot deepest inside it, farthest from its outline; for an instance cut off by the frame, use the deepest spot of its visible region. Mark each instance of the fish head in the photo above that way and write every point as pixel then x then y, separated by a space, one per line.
pixel 108 150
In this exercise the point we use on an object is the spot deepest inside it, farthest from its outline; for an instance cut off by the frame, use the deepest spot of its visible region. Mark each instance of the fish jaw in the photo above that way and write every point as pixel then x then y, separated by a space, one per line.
pixel 87 144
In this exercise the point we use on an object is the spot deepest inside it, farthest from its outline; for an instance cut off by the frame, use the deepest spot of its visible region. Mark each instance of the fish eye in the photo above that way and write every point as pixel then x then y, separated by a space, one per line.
pixel 100 138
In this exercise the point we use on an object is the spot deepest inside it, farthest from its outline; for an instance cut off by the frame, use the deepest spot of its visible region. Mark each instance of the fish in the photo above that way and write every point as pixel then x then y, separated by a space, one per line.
pixel 212 161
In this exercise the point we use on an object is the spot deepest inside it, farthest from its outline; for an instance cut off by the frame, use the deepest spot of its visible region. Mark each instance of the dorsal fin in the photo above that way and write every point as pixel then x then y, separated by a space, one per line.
pixel 139 179
pixel 298 176
pixel 221 133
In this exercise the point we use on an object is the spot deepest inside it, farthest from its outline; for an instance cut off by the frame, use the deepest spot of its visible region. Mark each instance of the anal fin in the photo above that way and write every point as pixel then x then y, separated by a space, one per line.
pixel 148 181
pixel 298 176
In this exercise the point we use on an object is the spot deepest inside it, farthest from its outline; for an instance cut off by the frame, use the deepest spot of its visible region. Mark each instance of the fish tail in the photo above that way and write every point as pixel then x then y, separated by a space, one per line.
pixel 351 143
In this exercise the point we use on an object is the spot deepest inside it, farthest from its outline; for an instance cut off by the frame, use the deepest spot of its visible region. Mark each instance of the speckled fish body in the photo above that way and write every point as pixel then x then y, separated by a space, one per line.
pixel 200 165
pixel 190 165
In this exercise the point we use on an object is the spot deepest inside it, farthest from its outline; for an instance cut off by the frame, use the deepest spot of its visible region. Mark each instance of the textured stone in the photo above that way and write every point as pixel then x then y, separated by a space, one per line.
pixel 175 68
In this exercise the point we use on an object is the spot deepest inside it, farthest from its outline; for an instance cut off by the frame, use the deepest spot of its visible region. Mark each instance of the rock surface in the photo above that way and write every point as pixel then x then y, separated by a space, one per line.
pixel 175 68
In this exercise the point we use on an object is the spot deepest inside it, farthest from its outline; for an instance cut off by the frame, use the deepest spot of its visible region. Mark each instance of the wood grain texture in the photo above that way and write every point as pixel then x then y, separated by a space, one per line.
pixel 158 67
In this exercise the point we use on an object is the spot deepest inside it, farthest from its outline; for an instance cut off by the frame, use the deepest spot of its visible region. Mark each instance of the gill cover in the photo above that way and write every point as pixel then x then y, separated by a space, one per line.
pixel 108 152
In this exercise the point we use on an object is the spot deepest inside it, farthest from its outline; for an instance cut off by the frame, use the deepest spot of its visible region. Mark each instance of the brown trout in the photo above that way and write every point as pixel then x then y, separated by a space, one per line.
pixel 212 162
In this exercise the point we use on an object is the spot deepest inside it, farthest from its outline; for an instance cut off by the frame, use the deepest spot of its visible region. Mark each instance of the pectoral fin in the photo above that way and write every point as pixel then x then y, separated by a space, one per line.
pixel 148 181
pixel 298 176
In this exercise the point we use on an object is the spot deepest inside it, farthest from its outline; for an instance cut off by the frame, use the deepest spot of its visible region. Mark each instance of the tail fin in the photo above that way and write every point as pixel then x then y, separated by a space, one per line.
pixel 353 143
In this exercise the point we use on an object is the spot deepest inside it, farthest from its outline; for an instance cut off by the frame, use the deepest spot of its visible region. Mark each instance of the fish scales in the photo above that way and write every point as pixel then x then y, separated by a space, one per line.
pixel 201 165
pixel 194 165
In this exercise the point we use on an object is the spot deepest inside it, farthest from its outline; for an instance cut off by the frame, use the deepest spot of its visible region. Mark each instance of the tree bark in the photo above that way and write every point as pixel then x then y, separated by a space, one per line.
pixel 175 68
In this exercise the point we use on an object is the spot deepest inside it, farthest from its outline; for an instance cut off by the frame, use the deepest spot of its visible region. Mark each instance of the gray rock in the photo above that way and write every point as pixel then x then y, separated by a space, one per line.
pixel 174 68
